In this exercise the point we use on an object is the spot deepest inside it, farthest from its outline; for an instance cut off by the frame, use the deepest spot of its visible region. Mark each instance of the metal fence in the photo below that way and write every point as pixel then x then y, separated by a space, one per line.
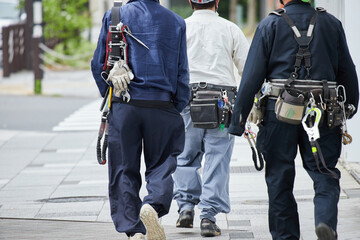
pixel 15 50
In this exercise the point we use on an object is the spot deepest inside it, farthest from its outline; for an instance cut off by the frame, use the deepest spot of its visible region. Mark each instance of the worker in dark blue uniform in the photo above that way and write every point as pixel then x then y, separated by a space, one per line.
pixel 151 120
pixel 272 55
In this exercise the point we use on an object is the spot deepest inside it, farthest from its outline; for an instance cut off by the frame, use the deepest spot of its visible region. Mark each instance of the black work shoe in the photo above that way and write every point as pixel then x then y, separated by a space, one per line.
pixel 186 219
pixel 324 232
pixel 209 228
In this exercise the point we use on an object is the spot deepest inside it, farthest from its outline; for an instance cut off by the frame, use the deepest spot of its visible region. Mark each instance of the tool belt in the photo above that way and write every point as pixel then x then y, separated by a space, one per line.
pixel 211 105
pixel 294 99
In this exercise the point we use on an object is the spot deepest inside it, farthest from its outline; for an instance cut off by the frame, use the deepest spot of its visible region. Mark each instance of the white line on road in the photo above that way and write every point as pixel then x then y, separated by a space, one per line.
pixel 86 118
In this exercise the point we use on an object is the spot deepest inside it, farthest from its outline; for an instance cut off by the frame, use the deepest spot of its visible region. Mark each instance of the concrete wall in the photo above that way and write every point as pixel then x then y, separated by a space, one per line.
pixel 347 12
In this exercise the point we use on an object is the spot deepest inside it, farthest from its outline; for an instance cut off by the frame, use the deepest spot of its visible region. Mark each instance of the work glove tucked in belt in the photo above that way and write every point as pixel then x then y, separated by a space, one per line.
pixel 256 115
pixel 120 76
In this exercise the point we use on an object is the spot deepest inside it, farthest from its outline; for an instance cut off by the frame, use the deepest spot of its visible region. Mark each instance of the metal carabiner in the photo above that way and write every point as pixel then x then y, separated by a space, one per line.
pixel 313 130
pixel 344 92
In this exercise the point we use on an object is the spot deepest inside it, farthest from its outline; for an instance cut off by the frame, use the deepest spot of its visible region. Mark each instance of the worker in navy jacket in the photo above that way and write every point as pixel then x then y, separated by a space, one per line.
pixel 151 120
pixel 272 56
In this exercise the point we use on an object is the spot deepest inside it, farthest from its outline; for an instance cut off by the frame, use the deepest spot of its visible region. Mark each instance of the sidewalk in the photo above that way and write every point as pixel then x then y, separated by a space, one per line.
pixel 51 186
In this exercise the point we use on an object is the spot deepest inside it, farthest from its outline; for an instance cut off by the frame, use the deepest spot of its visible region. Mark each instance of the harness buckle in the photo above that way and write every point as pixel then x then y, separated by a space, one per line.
pixel 114 29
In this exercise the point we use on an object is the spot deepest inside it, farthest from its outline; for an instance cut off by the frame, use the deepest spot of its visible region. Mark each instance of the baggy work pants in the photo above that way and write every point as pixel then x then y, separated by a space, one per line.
pixel 279 142
pixel 161 131
pixel 212 191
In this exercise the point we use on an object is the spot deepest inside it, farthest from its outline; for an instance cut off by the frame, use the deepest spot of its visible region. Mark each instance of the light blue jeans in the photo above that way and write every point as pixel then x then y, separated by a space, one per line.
pixel 211 192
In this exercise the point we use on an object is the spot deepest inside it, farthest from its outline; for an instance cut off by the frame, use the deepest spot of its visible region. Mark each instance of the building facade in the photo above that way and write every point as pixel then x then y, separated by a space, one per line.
pixel 347 12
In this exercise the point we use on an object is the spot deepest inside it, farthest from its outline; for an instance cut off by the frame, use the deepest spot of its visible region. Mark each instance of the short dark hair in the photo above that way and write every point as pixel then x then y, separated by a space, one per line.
pixel 203 6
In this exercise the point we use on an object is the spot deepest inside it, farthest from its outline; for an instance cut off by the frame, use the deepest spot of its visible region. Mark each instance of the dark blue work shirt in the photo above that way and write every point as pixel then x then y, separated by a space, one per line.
pixel 273 51
pixel 161 73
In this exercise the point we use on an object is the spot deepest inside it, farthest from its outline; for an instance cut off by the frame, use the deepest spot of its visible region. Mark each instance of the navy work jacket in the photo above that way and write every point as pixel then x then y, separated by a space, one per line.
pixel 162 72
pixel 273 51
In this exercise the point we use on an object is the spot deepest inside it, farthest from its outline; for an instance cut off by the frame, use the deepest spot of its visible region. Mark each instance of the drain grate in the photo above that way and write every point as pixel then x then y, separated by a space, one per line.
pixel 241 235
pixel 74 199
pixel 243 169
pixel 238 223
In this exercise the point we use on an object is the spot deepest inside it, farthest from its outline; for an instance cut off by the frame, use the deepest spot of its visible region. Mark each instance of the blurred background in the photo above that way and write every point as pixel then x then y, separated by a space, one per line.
pixel 71 27
pixel 49 122
pixel 49 37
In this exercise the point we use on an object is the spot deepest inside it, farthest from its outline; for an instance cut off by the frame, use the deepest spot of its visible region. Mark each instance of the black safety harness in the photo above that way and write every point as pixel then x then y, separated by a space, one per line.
pixel 303 38
pixel 116 49
pixel 313 113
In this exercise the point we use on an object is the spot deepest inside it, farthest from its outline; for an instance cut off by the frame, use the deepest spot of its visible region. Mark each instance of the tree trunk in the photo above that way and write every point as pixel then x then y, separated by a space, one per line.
pixel 232 10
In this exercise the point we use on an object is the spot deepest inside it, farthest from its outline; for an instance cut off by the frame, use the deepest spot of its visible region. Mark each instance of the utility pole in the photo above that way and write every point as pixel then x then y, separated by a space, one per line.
pixel 37 39
pixel 251 14
pixel 232 10
pixel 28 33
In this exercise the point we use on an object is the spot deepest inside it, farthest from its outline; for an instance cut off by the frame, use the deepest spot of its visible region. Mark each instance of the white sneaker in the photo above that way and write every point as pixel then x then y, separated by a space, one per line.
pixel 137 236
pixel 149 217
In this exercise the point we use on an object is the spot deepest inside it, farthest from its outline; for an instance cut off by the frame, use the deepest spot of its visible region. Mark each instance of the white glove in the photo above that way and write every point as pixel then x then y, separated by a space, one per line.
pixel 256 115
pixel 120 76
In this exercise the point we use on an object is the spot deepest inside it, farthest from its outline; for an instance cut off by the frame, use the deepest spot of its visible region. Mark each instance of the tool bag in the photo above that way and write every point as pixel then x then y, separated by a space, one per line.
pixel 211 105
pixel 290 107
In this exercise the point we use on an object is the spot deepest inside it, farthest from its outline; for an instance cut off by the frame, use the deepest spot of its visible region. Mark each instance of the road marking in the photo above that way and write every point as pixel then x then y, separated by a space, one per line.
pixel 86 118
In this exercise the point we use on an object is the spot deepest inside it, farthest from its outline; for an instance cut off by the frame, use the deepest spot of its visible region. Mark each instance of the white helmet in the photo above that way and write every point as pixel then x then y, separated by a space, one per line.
pixel 202 1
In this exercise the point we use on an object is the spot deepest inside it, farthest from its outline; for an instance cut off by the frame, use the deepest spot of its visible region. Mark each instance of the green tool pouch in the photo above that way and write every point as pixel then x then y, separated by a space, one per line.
pixel 290 107
pixel 204 109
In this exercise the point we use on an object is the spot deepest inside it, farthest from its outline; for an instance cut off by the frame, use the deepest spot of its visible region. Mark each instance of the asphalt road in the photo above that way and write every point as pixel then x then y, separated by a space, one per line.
pixel 36 113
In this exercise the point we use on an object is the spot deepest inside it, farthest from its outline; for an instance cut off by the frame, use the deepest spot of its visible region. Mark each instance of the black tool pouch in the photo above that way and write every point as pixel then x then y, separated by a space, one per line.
pixel 204 109
pixel 334 114
pixel 290 107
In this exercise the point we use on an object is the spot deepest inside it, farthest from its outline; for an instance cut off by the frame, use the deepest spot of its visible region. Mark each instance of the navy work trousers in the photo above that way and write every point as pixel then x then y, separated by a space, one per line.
pixel 279 143
pixel 160 132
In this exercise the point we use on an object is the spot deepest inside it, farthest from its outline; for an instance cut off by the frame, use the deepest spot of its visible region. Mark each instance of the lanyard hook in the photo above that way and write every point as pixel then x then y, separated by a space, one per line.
pixel 312 130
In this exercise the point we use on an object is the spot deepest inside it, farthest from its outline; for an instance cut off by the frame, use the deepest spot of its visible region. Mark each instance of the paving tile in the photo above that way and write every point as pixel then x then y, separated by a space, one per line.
pixel 28 140
pixel 19 210
pixel 54 157
pixel 49 178
pixel 241 235
pixel 238 223
pixel 20 194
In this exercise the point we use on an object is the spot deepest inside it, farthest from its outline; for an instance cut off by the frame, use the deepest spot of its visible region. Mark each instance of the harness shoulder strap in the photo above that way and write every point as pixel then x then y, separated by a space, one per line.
pixel 282 12
pixel 303 38
pixel 115 13
pixel 115 37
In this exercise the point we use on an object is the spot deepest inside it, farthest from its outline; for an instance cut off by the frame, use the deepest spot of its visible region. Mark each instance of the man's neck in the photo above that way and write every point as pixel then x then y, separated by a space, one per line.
pixel 212 9
pixel 287 1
